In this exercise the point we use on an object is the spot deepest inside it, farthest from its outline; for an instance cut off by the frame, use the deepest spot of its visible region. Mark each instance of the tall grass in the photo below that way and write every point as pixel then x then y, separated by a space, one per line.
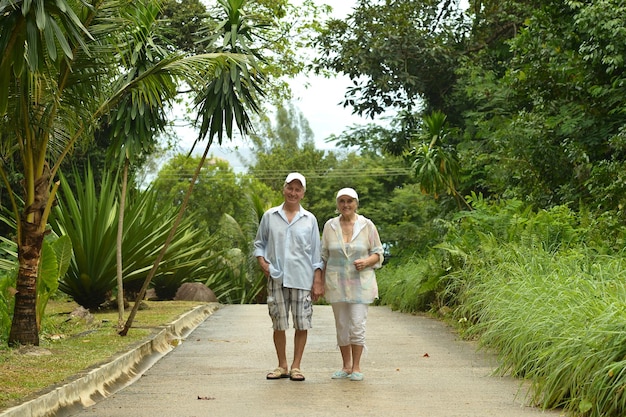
pixel 545 290
pixel 555 319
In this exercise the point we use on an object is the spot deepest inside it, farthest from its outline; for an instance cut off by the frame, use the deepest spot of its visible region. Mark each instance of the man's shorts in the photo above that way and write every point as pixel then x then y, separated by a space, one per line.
pixel 281 300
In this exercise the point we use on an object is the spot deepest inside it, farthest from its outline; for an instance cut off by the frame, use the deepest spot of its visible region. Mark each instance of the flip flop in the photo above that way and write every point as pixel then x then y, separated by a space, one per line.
pixel 278 373
pixel 296 375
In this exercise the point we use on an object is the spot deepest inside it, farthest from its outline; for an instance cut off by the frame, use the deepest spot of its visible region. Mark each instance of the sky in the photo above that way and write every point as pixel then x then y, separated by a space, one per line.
pixel 320 102
pixel 317 97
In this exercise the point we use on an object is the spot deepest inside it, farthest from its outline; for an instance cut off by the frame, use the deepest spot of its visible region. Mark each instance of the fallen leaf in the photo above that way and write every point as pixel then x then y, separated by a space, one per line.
pixel 426 355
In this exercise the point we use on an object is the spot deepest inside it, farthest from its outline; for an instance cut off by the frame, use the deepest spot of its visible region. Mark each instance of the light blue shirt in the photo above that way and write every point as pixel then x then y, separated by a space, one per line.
pixel 293 250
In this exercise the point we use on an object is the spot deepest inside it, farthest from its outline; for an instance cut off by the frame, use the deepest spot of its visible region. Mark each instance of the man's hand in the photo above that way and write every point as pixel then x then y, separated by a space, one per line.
pixel 317 290
pixel 265 267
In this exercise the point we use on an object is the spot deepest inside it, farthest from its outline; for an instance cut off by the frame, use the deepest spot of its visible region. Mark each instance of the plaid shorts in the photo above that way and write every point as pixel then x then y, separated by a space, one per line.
pixel 280 300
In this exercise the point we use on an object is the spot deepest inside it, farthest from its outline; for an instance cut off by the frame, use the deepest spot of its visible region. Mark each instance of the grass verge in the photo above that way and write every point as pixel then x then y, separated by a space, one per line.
pixel 69 345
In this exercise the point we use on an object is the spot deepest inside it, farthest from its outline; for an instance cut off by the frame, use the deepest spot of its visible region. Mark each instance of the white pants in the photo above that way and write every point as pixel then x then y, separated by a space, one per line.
pixel 350 321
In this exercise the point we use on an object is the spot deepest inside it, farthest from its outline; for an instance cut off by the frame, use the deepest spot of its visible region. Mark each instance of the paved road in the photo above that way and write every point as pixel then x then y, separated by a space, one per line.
pixel 415 366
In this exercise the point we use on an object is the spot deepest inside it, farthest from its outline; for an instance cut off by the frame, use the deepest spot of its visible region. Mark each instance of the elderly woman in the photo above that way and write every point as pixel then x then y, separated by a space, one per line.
pixel 351 250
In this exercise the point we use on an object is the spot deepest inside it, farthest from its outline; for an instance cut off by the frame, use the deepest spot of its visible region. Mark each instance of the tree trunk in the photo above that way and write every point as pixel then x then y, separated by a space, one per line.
pixel 24 327
pixel 120 238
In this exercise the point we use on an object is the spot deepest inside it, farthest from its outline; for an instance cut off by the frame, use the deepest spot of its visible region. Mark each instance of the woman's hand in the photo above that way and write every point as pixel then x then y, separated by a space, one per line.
pixel 360 264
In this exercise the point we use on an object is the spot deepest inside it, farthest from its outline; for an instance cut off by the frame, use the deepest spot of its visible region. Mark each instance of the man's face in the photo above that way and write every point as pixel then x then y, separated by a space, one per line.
pixel 293 192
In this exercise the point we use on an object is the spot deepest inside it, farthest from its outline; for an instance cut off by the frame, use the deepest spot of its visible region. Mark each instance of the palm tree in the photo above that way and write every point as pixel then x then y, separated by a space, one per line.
pixel 60 75
pixel 135 124
pixel 436 166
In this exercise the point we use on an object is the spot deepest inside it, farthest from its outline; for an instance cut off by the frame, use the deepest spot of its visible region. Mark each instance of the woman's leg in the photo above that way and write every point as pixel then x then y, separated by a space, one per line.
pixel 357 351
pixel 342 325
pixel 358 318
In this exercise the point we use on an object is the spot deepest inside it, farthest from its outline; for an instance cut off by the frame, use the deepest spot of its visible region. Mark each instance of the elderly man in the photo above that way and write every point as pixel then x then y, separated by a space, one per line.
pixel 287 247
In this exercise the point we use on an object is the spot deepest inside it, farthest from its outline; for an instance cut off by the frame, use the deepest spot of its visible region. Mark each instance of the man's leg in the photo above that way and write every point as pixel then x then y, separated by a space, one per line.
pixel 280 343
pixel 302 311
pixel 278 312
pixel 299 342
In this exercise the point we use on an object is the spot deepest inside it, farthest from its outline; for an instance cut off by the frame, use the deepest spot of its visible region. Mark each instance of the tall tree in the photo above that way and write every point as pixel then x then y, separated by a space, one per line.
pixel 399 54
pixel 550 122
pixel 137 121
pixel 222 102
pixel 536 88
pixel 60 72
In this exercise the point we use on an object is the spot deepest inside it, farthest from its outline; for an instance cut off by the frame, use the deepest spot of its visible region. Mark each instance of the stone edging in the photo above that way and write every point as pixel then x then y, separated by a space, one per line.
pixel 106 379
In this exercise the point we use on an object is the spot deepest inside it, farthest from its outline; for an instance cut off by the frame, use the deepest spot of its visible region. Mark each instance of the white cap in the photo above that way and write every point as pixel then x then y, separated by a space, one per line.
pixel 296 176
pixel 349 192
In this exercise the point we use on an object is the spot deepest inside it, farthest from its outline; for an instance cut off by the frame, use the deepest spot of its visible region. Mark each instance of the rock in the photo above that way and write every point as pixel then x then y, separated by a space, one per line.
pixel 151 295
pixel 195 291
pixel 81 313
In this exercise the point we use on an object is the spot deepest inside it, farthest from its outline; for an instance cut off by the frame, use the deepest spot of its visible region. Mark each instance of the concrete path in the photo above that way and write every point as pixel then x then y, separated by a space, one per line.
pixel 415 366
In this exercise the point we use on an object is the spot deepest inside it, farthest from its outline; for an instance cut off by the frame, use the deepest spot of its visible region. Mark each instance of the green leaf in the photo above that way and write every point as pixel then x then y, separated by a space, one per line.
pixel 63 249
pixel 584 406
pixel 32 37
pixel 40 15
pixel 67 49
pixel 48 269
pixel 48 34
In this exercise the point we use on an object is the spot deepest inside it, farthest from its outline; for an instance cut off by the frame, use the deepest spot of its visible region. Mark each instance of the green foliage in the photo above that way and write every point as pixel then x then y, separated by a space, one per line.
pixel 64 68
pixel 89 218
pixel 411 286
pixel 549 118
pixel 182 23
pixel 396 54
pixel 435 162
pixel 534 89
pixel 405 222
pixel 544 289
pixel 555 319
pixel 238 283
pixel 7 302
pixel 225 206
pixel 8 275
pixel 217 190
pixel 55 260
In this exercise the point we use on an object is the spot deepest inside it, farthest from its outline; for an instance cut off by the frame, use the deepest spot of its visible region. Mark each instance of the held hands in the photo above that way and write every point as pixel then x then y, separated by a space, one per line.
pixel 317 290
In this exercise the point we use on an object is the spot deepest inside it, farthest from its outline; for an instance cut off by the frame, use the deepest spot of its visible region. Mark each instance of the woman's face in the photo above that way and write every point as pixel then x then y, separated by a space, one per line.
pixel 347 205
